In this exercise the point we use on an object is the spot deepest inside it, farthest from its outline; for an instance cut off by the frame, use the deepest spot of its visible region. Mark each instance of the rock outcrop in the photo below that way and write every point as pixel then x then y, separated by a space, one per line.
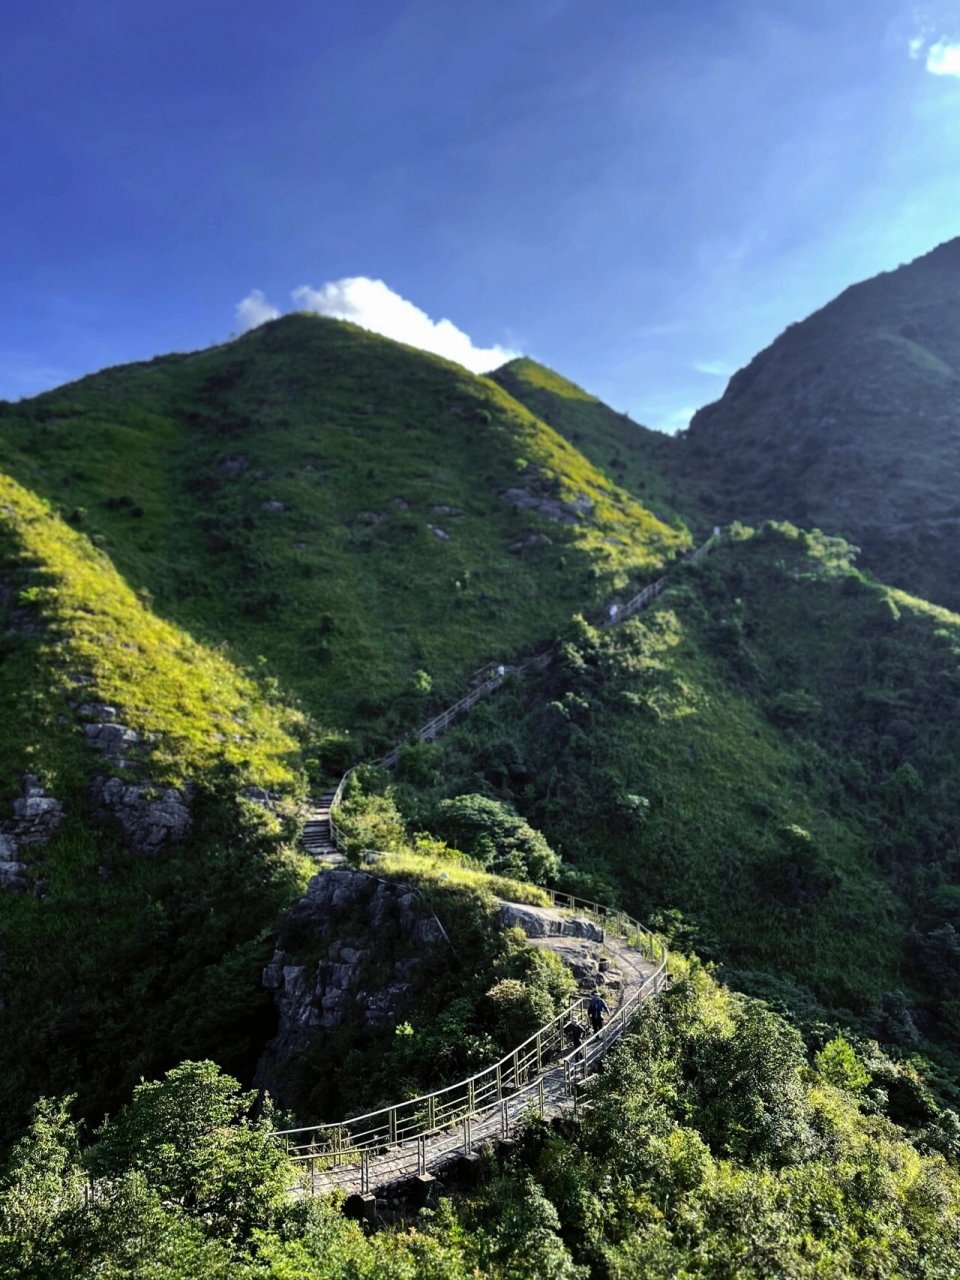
pixel 36 818
pixel 149 817
pixel 549 506
pixel 348 955
pixel 544 922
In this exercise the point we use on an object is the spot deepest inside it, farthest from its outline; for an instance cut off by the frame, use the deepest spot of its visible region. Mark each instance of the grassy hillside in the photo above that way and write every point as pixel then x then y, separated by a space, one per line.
pixel 77 632
pixel 850 422
pixel 773 753
pixel 343 510
pixel 226 565
pixel 630 455
pixel 114 962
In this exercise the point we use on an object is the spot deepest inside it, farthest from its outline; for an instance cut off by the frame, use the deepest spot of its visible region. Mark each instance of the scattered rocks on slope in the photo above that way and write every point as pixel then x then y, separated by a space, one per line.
pixel 439 533
pixel 553 508
pixel 273 505
pixel 234 465
pixel 527 543
pixel 347 924
pixel 149 820
pixel 36 818
pixel 112 739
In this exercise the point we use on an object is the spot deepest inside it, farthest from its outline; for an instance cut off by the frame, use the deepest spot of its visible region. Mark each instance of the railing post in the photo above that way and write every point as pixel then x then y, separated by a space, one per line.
pixel 421 1154
pixel 504 1119
pixel 541 1097
pixel 364 1172
pixel 431 1112
pixel 539 1052
pixel 392 1123
pixel 466 1135
pixel 471 1097
pixel 313 1175
pixel 337 1146
pixel 499 1083
pixel 516 1067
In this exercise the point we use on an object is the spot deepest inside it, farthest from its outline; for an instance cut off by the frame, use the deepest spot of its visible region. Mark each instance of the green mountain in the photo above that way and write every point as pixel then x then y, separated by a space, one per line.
pixel 227 576
pixel 631 455
pixel 850 422
pixel 221 575
pixel 767 762
pixel 350 510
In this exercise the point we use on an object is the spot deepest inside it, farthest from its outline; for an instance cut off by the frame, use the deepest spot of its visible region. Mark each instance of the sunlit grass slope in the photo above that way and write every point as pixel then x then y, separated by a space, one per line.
pixel 77 631
pixel 630 455
pixel 116 963
pixel 773 751
pixel 332 502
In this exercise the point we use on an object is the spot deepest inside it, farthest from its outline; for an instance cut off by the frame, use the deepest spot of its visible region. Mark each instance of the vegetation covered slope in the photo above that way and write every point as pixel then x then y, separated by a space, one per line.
pixel 352 511
pixel 712 1147
pixel 850 422
pixel 773 752
pixel 220 556
pixel 631 455
pixel 116 962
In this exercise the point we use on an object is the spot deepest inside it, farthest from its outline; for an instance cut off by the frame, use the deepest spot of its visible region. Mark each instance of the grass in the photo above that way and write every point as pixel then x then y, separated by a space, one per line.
pixel 628 454
pixel 442 873
pixel 90 636
pixel 370 448
pixel 773 753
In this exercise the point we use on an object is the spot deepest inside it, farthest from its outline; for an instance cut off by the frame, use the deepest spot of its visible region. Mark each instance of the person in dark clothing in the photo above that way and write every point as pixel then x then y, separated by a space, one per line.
pixel 597 1010
pixel 574 1034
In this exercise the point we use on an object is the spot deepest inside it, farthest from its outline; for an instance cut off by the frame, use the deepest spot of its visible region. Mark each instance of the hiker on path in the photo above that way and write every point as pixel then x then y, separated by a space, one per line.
pixel 597 1009
pixel 501 671
pixel 574 1033
pixel 614 612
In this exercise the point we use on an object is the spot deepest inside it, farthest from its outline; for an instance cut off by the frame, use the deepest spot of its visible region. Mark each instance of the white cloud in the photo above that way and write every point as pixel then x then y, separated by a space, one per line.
pixel 917 46
pixel 715 368
pixel 373 305
pixel 254 310
pixel 676 421
pixel 943 59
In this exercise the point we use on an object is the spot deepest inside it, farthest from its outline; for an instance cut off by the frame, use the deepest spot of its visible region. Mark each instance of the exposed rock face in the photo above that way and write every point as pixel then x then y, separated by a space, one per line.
pixel 542 922
pixel 149 819
pixel 552 508
pixel 234 465
pixel 36 817
pixel 348 954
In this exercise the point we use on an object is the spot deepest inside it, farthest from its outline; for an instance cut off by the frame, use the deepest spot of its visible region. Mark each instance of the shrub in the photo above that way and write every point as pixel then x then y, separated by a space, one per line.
pixel 496 835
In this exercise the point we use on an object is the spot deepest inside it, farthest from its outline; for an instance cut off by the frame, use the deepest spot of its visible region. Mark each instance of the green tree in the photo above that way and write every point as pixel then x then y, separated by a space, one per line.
pixel 495 834
pixel 188 1135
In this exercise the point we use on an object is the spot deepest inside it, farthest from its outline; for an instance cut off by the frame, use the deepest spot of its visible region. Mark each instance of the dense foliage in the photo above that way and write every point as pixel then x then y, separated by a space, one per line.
pixel 767 763
pixel 709 1149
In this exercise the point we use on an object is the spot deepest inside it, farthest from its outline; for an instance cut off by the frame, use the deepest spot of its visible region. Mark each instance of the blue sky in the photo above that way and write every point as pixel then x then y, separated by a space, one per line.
pixel 639 194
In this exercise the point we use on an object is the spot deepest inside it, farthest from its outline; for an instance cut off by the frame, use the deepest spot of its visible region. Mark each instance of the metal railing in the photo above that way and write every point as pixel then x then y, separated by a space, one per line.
pixel 521 1072
pixel 444 719
pixel 518 1079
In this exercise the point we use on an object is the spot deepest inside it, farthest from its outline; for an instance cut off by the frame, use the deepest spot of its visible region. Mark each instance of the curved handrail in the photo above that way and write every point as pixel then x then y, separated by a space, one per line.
pixel 443 719
pixel 521 1070
pixel 513 1076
